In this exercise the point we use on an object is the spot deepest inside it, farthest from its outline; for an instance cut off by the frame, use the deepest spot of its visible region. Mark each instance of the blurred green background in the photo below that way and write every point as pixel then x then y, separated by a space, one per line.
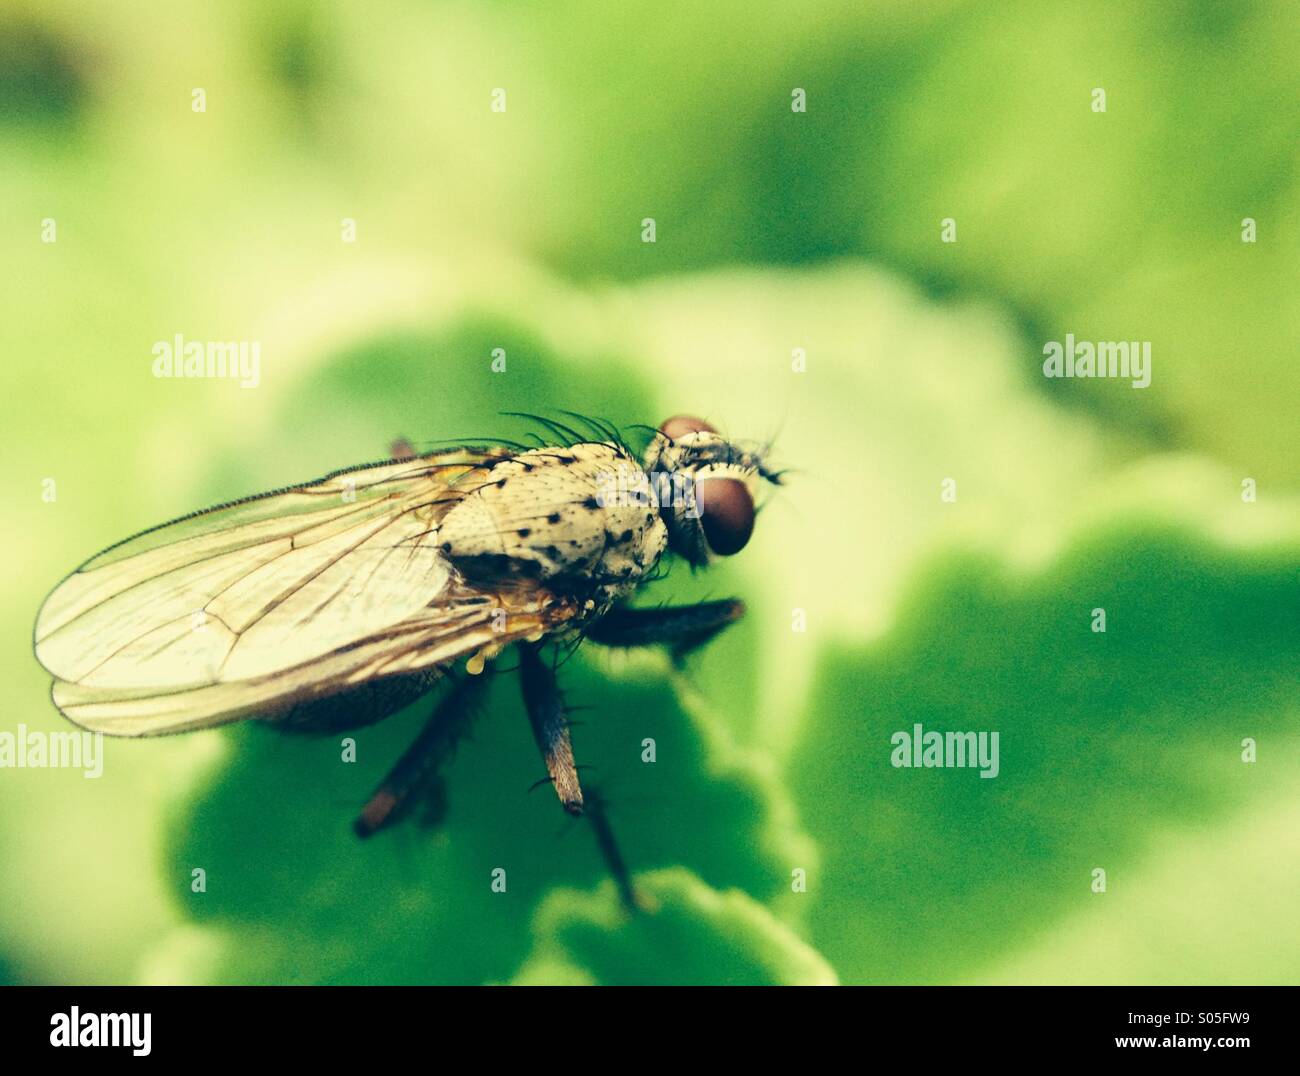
pixel 776 230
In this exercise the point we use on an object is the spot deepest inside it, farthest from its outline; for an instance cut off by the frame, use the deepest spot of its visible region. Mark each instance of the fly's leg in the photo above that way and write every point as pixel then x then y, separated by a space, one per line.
pixel 418 767
pixel 550 724
pixel 547 714
pixel 682 627
pixel 598 814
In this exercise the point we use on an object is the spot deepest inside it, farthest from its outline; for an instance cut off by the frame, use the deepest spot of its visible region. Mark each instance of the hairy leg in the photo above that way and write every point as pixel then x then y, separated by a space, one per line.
pixel 418 767
pixel 682 627
pixel 550 724
pixel 598 814
pixel 549 719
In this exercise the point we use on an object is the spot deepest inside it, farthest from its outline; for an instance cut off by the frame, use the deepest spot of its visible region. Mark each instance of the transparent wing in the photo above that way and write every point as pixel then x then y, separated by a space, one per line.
pixel 252 606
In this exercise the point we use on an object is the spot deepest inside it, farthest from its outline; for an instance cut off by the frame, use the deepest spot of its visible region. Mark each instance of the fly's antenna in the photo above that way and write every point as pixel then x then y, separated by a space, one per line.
pixel 764 450
pixel 780 426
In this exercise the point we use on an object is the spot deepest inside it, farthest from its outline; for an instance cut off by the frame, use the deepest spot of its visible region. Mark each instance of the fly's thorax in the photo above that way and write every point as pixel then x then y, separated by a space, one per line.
pixel 583 513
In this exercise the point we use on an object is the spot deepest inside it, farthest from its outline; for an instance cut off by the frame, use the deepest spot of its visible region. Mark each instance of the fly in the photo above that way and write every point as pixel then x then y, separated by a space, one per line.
pixel 333 604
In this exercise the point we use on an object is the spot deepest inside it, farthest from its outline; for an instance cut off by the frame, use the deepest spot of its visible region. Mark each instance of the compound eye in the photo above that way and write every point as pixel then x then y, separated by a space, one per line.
pixel 727 513
pixel 681 425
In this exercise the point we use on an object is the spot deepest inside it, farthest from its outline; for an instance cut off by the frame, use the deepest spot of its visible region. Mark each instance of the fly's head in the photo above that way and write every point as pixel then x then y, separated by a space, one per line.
pixel 707 488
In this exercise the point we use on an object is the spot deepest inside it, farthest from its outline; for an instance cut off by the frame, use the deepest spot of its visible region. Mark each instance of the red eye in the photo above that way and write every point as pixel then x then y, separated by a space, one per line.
pixel 680 425
pixel 727 513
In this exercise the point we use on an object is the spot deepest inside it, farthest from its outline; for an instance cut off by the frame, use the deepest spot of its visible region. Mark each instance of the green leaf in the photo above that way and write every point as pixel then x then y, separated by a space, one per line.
pixel 693 935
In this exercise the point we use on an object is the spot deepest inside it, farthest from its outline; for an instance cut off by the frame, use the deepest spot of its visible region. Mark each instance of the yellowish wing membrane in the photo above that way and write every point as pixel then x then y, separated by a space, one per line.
pixel 249 607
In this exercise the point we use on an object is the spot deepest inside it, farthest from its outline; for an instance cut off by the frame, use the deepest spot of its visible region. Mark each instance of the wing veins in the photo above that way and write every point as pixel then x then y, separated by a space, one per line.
pixel 291 535
pixel 330 563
